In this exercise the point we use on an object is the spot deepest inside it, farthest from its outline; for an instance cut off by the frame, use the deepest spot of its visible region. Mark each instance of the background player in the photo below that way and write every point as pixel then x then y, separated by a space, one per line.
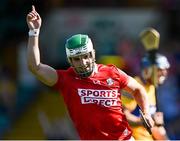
pixel 131 108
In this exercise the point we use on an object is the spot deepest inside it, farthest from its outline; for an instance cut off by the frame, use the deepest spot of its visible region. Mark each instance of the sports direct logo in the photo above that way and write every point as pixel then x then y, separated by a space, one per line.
pixel 101 97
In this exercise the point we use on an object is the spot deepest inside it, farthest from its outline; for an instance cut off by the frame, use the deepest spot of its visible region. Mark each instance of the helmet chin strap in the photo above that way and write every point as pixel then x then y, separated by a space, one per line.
pixel 88 73
pixel 85 74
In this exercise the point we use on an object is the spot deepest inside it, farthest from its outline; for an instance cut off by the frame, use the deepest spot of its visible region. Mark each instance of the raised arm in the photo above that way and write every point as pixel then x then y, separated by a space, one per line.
pixel 43 72
pixel 140 95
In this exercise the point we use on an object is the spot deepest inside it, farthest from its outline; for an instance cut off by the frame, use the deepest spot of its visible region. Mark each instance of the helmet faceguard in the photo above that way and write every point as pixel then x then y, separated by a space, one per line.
pixel 161 62
pixel 78 47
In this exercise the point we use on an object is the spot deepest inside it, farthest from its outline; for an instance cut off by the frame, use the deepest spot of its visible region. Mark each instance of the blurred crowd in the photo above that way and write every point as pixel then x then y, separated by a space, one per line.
pixel 18 88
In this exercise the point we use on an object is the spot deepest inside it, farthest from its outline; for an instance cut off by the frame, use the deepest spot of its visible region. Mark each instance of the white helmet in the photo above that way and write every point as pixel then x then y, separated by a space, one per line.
pixel 78 45
pixel 161 62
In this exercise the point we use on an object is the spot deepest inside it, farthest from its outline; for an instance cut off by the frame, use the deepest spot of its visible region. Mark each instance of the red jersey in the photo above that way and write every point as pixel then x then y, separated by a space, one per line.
pixel 94 102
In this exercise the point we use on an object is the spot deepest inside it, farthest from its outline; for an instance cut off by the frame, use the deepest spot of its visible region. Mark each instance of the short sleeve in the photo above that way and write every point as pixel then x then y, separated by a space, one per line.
pixel 123 78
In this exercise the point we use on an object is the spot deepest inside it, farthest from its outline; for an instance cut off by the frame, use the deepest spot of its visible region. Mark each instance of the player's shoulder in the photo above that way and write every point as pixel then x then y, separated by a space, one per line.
pixel 112 69
pixel 107 66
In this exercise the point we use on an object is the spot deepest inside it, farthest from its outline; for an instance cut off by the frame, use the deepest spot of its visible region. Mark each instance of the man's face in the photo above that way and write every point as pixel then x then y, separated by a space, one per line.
pixel 162 75
pixel 83 63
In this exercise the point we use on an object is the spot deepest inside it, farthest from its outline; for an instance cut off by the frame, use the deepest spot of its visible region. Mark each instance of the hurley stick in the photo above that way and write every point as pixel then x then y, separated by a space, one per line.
pixel 150 40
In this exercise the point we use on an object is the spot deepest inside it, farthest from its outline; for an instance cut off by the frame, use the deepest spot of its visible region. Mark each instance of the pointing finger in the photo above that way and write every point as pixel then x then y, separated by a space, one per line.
pixel 33 8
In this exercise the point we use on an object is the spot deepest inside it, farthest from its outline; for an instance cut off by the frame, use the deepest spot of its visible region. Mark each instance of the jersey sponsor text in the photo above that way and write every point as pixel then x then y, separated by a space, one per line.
pixel 101 97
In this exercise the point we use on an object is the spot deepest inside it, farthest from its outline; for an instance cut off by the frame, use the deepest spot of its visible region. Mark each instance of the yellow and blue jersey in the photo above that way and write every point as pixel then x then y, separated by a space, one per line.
pixel 139 132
